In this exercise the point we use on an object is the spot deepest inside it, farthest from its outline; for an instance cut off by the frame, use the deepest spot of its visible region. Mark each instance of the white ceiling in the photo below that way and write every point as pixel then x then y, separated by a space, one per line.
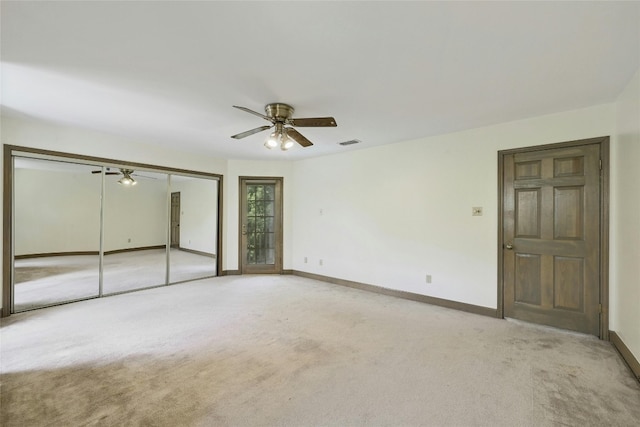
pixel 169 72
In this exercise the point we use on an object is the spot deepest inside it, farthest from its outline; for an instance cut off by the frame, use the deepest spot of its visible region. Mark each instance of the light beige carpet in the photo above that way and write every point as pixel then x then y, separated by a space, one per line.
pixel 44 281
pixel 282 350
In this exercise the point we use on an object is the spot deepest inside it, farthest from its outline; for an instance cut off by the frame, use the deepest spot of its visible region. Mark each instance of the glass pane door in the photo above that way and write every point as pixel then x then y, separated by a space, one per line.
pixel 261 226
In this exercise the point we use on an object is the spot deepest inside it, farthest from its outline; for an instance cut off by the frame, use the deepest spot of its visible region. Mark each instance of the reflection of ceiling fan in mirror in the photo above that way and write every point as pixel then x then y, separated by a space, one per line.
pixel 280 115
pixel 127 174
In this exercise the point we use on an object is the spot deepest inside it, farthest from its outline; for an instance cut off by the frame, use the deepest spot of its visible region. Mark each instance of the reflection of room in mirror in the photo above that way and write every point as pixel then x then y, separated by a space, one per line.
pixel 42 281
pixel 58 207
pixel 56 232
pixel 135 232
pixel 194 222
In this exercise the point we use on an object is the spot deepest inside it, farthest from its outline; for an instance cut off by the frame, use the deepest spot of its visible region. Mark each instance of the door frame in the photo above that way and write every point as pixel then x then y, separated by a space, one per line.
pixel 603 142
pixel 242 180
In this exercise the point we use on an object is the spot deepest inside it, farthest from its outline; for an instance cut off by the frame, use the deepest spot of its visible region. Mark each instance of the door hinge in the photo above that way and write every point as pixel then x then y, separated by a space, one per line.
pixel 599 308
pixel 600 164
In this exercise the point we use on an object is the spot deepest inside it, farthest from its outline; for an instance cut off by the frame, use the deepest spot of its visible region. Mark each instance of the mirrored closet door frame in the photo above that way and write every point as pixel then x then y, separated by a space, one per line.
pixel 12 152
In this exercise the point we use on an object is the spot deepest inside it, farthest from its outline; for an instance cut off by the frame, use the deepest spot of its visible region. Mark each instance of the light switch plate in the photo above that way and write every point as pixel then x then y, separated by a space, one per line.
pixel 476 211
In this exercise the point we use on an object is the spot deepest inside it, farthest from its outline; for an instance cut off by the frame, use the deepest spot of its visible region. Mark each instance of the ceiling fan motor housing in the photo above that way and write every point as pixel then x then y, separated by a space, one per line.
pixel 279 112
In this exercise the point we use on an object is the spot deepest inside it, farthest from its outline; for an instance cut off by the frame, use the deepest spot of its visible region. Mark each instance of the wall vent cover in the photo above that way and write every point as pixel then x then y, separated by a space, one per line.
pixel 350 142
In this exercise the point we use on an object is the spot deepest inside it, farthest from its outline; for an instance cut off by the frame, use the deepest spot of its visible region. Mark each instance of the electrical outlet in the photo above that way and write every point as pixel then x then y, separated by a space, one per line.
pixel 428 278
pixel 305 260
pixel 129 240
pixel 321 263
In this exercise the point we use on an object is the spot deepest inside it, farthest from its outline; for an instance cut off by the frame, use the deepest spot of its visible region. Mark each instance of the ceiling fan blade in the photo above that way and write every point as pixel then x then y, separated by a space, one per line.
pixel 298 137
pixel 253 112
pixel 106 173
pixel 314 122
pixel 250 132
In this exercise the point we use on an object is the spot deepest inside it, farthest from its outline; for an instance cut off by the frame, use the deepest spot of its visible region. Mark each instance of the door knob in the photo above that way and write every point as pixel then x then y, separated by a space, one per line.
pixel 509 246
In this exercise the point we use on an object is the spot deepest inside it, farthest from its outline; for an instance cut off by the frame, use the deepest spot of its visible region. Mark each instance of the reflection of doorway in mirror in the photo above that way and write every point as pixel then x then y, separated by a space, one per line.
pixel 175 220
pixel 194 224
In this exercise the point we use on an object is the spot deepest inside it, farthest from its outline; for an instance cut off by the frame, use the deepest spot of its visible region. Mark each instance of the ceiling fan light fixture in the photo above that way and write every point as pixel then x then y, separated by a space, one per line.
pixel 126 179
pixel 272 141
pixel 286 143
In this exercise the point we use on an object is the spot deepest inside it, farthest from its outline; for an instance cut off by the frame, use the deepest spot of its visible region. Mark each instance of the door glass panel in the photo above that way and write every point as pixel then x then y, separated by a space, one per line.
pixel 57 232
pixel 271 256
pixel 195 219
pixel 260 223
pixel 135 230
pixel 268 208
pixel 269 192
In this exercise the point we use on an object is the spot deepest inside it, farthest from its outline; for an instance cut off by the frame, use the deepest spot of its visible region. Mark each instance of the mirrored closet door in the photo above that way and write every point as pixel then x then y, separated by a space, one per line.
pixel 193 223
pixel 83 231
pixel 56 232
pixel 135 231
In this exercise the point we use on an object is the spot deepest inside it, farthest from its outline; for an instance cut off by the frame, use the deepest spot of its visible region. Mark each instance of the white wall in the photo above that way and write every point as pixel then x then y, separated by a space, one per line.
pixel 198 213
pixel 625 218
pixel 392 214
pixel 39 134
pixel 135 216
pixel 238 168
pixel 56 211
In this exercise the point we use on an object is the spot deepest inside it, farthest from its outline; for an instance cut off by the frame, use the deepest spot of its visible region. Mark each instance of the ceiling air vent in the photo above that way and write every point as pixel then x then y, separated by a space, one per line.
pixel 350 142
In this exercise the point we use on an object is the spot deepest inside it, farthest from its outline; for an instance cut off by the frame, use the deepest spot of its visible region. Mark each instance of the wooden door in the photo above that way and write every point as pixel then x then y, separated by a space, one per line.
pixel 260 225
pixel 175 220
pixel 551 233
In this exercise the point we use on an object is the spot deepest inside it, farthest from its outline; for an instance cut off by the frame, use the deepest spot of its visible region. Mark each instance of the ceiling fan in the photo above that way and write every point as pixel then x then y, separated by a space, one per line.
pixel 280 115
pixel 126 179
